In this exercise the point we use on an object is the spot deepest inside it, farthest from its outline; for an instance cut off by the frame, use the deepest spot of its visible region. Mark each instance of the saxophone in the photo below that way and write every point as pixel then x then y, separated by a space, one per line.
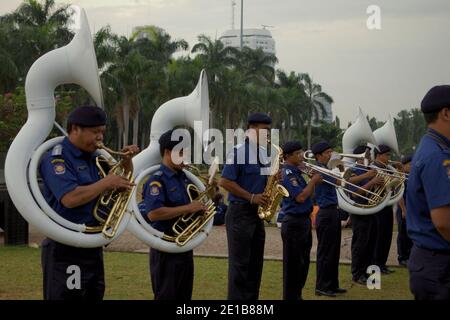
pixel 273 190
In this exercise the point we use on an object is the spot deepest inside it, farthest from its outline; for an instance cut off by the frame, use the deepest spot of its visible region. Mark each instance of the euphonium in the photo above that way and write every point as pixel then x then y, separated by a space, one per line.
pixel 188 225
pixel 273 190
pixel 112 204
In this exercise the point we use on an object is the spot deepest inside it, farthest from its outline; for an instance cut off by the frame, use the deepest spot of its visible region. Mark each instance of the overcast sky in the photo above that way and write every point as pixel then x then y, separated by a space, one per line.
pixel 383 71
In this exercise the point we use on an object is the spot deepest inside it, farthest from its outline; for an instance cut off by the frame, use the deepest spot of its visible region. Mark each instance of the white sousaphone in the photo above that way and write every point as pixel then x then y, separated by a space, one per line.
pixel 75 63
pixel 182 111
pixel 359 133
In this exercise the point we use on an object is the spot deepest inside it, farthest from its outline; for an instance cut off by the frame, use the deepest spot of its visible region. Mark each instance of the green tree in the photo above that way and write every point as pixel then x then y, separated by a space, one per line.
pixel 257 66
pixel 314 103
pixel 33 29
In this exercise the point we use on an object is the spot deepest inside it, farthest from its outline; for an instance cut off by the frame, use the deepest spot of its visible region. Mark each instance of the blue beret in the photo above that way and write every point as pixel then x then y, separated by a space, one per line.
pixel 407 158
pixel 259 117
pixel 320 147
pixel 88 116
pixel 166 142
pixel 382 148
pixel 436 99
pixel 360 149
pixel 291 146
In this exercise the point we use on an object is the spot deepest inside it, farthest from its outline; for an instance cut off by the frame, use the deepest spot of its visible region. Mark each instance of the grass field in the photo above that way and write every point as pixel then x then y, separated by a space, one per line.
pixel 127 277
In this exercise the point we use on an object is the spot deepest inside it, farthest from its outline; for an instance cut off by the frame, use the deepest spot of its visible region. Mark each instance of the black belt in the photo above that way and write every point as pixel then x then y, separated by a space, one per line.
pixel 237 203
pixel 299 215
pixel 331 206
pixel 436 252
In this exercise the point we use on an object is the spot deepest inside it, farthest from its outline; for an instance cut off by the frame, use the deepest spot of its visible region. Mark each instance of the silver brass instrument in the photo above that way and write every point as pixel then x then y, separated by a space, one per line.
pixel 273 190
pixel 112 204
pixel 190 224
pixel 373 198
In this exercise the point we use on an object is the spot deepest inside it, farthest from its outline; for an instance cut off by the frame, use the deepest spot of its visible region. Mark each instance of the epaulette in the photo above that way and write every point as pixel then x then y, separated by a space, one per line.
pixel 57 150
pixel 158 173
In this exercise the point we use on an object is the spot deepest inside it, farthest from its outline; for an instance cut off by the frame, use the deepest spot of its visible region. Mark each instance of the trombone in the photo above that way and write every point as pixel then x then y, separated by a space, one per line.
pixel 374 199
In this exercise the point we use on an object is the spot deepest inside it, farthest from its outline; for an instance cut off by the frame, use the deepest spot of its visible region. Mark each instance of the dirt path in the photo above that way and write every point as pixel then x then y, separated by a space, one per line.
pixel 216 244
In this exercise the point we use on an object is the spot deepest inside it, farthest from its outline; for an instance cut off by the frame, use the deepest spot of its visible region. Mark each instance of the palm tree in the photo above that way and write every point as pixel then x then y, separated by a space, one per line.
pixel 216 59
pixel 315 100
pixel 9 72
pixel 294 101
pixel 257 65
pixel 214 56
pixel 161 47
pixel 36 28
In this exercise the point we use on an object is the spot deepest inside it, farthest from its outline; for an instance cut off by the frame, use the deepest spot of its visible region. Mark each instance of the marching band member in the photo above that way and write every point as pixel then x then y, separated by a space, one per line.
pixel 242 177
pixel 404 243
pixel 72 185
pixel 166 199
pixel 363 226
pixel 384 218
pixel 296 225
pixel 328 228
pixel 428 201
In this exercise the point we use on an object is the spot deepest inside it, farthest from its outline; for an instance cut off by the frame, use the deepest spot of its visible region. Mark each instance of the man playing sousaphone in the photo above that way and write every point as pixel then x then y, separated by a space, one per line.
pixel 72 185
pixel 165 200
pixel 384 218
pixel 363 226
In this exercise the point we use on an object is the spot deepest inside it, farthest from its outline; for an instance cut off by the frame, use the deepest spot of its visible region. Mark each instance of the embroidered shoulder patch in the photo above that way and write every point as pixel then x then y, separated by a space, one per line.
pixel 155 188
pixel 156 183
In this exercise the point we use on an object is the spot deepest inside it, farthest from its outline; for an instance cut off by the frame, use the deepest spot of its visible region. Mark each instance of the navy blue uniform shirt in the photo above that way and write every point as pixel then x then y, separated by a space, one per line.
pixel 63 169
pixel 358 170
pixel 428 188
pixel 165 188
pixel 246 165
pixel 325 194
pixel 294 182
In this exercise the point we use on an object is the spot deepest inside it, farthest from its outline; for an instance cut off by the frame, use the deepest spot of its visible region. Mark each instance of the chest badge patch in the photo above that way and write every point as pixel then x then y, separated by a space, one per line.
pixel 294 182
pixel 59 168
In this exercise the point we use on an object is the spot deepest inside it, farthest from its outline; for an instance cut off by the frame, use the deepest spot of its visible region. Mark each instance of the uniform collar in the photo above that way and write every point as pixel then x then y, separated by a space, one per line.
pixel 440 136
pixel 379 164
pixel 360 166
pixel 320 164
pixel 291 167
pixel 77 153
pixel 168 172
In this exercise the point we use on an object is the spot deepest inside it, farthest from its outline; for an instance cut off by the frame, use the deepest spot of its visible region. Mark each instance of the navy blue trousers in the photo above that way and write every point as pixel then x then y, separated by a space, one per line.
pixel 328 224
pixel 385 224
pixel 429 274
pixel 297 242
pixel 404 243
pixel 172 275
pixel 363 243
pixel 246 236
pixel 58 262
